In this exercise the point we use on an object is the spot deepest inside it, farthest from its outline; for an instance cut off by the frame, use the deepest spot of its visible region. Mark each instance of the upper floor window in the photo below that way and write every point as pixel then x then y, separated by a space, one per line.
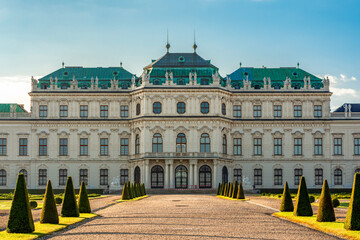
pixel 84 111
pixel 180 82
pixel 205 143
pixel 83 146
pixel 257 146
pixel 297 146
pixel 224 144
pixel 337 146
pixel 204 82
pixel 104 146
pixel 124 146
pixel 3 143
pixel 43 86
pixel 356 146
pixel 181 107
pixel 43 111
pixel 157 143
pixel 204 107
pixel 157 107
pixel 237 111
pixel 298 172
pixel 318 176
pixel 223 109
pixel 104 111
pixel 237 146
pixel 124 111
pixel 317 111
pixel 338 176
pixel 277 111
pixel 181 143
pixel 137 144
pixel 318 146
pixel 257 111
pixel 42 177
pixel 138 109
pixel 277 176
pixel 43 146
pixel 23 142
pixel 157 82
pixel 277 146
pixel 63 110
pixel 297 111
pixel 63 147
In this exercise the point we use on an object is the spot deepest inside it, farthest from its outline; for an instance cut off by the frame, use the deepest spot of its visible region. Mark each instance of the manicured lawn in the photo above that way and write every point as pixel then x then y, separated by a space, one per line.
pixel 42 229
pixel 336 228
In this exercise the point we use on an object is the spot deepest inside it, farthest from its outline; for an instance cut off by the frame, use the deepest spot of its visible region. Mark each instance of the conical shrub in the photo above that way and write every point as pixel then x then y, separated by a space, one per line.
pixel 224 189
pixel 125 192
pixel 84 204
pixel 240 193
pixel 303 205
pixel 352 221
pixel 69 206
pixel 20 217
pixel 138 189
pixel 286 201
pixel 227 189
pixel 49 213
pixel 219 189
pixel 144 189
pixel 230 190
pixel 326 210
pixel 132 194
pixel 235 189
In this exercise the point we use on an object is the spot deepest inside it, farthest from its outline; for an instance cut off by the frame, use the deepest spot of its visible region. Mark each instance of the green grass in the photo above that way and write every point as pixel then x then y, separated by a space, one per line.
pixel 246 199
pixel 336 228
pixel 43 229
pixel 134 199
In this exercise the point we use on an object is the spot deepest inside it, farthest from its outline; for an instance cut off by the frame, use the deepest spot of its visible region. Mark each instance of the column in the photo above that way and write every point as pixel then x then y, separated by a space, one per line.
pixel 191 176
pixel 215 174
pixel 172 182
pixel 196 178
pixel 230 175
pixel 147 174
pixel 166 174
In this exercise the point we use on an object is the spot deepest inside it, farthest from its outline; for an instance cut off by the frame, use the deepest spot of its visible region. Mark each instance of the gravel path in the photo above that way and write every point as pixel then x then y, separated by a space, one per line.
pixel 187 217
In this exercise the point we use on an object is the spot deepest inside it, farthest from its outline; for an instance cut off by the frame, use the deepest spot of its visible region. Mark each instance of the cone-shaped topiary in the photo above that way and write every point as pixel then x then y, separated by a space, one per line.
pixel 326 210
pixel 230 190
pixel 132 192
pixel 219 189
pixel 144 189
pixel 235 190
pixel 84 204
pixel 49 213
pixel 240 192
pixel 138 190
pixel 20 217
pixel 352 221
pixel 303 206
pixel 227 189
pixel 125 192
pixel 69 206
pixel 224 189
pixel 286 201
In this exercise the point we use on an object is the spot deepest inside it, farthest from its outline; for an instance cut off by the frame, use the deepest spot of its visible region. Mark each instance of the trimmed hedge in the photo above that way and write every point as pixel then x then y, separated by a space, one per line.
pixel 223 189
pixel 49 213
pixel 235 190
pixel 302 206
pixel 20 217
pixel 335 202
pixel 230 190
pixel 58 200
pixel 352 221
pixel 125 193
pixel 33 204
pixel 240 193
pixel 69 206
pixel 84 204
pixel 218 190
pixel 286 201
pixel 325 211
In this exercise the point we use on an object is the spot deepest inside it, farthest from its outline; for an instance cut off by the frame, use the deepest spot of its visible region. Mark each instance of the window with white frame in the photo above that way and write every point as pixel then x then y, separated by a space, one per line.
pixel 337 146
pixel 277 111
pixel 257 146
pixel 43 111
pixel 63 110
pixel 124 111
pixel 277 146
pixel 257 111
pixel 124 176
pixel 298 172
pixel 338 176
pixel 356 146
pixel 63 147
pixel 277 176
pixel 318 176
pixel 237 111
pixel 257 176
pixel 124 146
pixel 43 147
pixel 83 176
pixel 297 111
pixel 237 146
pixel 23 146
pixel 317 111
pixel 104 146
pixel 238 175
pixel 3 144
pixel 318 149
pixel 104 176
pixel 297 146
pixel 42 177
pixel 83 146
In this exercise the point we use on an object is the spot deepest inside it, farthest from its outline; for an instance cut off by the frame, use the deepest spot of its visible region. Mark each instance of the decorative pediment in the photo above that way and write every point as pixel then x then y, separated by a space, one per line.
pixel 84 132
pixel 338 135
pixel 278 166
pixel 104 132
pixel 277 132
pixel 205 129
pixel 257 133
pixel 298 166
pixel 181 98
pixel 237 133
pixel 124 133
pixel 43 132
pixel 297 132
pixel 318 132
pixel 181 129
pixel 204 98
pixel 225 130
pixel 157 129
pixel 64 133
pixel 356 134
pixel 258 166
pixel 156 98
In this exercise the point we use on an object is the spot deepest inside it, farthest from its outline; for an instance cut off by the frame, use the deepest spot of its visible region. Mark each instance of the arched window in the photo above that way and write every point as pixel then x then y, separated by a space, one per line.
pixel 156 82
pixel 157 143
pixel 181 143
pixel 204 82
pixel 180 82
pixel 23 171
pixel 204 143
pixel 137 175
pixel 338 176
pixel 204 107
pixel 157 107
pixel 2 177
pixel 138 109
pixel 223 109
pixel 224 144
pixel 181 107
pixel 157 177
pixel 181 177
pixel 137 144
pixel 205 178
pixel 225 178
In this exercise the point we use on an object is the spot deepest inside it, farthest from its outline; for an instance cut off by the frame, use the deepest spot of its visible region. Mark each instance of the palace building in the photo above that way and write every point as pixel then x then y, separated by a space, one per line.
pixel 179 125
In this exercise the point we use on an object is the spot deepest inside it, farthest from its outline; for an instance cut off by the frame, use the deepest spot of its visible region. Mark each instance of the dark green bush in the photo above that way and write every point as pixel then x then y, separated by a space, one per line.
pixel 325 211
pixel 69 206
pixel 303 206
pixel 336 202
pixel 234 190
pixel 20 217
pixel 84 204
pixel 49 213
pixel 58 200
pixel 286 201
pixel 125 192
pixel 352 221
pixel 230 190
pixel 311 199
pixel 240 193
pixel 219 189
pixel 224 190
pixel 33 204
pixel 144 190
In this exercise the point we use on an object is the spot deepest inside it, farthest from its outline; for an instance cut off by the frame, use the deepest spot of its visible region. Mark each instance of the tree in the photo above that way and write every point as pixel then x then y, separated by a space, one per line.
pixel 49 213
pixel 352 221
pixel 84 204
pixel 240 193
pixel 286 201
pixel 69 206
pixel 20 217
pixel 303 206
pixel 125 192
pixel 235 190
pixel 326 210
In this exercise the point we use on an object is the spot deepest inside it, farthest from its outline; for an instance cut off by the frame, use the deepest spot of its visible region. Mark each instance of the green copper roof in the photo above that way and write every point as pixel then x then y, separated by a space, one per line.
pixel 5 107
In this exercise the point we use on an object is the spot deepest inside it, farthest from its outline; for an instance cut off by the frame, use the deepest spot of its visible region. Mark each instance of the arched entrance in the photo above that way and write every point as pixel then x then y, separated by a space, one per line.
pixel 137 175
pixel 181 177
pixel 157 177
pixel 225 175
pixel 205 178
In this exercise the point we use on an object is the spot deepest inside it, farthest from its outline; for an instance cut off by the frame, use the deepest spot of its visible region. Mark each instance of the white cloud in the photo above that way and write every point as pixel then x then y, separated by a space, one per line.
pixel 15 89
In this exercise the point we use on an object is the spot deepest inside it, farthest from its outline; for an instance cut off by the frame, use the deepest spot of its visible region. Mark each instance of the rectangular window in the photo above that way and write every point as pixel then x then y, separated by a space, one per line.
pixel 63 110
pixel 298 111
pixel 104 146
pixel 318 146
pixel 3 143
pixel 124 176
pixel 298 172
pixel 43 147
pixel 277 111
pixel 257 111
pixel 317 111
pixel 62 176
pixel 277 146
pixel 237 111
pixel 318 176
pixel 337 146
pixel 23 142
pixel 237 146
pixel 277 176
pixel 124 111
pixel 83 176
pixel 124 146
pixel 42 177
pixel 356 146
pixel 63 147
pixel 104 111
pixel 103 176
pixel 238 175
pixel 43 111
pixel 257 176
pixel 297 146
pixel 84 111
pixel 83 146
pixel 257 146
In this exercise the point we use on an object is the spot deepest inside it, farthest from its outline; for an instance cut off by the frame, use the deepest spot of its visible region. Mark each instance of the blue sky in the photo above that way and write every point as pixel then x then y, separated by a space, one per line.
pixel 323 36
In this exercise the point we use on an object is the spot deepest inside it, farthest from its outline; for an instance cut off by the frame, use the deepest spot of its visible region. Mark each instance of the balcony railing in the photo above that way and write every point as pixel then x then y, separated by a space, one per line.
pixel 19 115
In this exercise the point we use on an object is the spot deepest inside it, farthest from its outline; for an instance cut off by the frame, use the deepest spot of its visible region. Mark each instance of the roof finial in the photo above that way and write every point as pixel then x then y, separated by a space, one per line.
pixel 298 65
pixel 121 64
pixel 63 64
pixel 194 46
pixel 167 41
pixel 240 64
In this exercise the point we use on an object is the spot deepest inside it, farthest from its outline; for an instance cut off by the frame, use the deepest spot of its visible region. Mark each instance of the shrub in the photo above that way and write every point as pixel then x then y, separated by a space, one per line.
pixel 144 189
pixel 219 189
pixel 325 211
pixel 302 206
pixel 311 199
pixel 20 217
pixel 125 192
pixel 240 193
pixel 138 190
pixel 69 206
pixel 84 204
pixel 352 221
pixel 58 200
pixel 33 204
pixel 234 190
pixel 335 202
pixel 49 213
pixel 224 190
pixel 286 201
pixel 230 190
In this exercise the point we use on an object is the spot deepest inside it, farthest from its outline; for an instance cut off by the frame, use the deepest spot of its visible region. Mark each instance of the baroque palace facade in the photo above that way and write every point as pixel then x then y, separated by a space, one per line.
pixel 179 125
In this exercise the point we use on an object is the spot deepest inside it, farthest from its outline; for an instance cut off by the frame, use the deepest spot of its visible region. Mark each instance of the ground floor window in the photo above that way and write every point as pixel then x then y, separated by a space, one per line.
pixel 257 176
pixel 124 176
pixel 62 176
pixel 23 171
pixel 2 177
pixel 225 174
pixel 137 174
pixel 277 176
pixel 157 177
pixel 338 176
pixel 205 178
pixel 83 176
pixel 298 172
pixel 318 176
pixel 104 176
pixel 181 177
pixel 238 175
pixel 42 177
